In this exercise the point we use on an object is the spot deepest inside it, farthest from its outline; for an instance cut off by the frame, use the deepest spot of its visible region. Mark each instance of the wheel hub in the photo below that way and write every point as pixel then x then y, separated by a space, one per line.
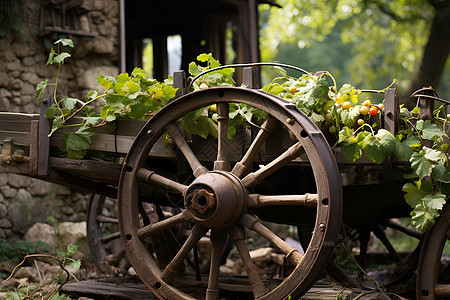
pixel 215 199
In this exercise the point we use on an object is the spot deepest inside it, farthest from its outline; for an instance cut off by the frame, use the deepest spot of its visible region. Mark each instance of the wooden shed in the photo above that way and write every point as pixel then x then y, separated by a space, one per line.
pixel 226 28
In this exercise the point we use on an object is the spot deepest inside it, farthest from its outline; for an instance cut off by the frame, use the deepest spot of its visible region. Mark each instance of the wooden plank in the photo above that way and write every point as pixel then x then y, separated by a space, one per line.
pixel 18 168
pixel 116 144
pixel 19 138
pixel 107 172
pixel 17 122
pixel 19 117
pixel 110 290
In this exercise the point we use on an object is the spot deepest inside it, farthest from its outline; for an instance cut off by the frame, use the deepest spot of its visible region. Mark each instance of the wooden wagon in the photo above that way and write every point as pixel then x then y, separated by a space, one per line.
pixel 180 194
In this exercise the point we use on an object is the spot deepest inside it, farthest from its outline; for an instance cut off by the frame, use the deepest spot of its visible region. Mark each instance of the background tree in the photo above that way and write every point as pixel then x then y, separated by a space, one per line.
pixel 404 39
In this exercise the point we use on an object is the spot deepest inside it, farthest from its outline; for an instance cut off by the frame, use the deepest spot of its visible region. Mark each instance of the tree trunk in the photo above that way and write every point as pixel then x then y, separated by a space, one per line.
pixel 436 50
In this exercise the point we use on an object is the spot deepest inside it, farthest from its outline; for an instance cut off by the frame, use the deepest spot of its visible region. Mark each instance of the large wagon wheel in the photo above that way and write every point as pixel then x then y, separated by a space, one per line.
pixel 225 203
pixel 433 277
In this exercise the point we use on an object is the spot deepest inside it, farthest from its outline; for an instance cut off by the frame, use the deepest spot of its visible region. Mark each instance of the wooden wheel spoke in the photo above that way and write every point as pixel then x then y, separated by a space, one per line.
pixel 442 290
pixel 242 167
pixel 152 177
pixel 218 241
pixel 254 224
pixel 105 219
pixel 223 145
pixel 116 257
pixel 290 154
pixel 171 269
pixel 257 200
pixel 178 137
pixel 237 235
pixel 154 228
pixel 110 237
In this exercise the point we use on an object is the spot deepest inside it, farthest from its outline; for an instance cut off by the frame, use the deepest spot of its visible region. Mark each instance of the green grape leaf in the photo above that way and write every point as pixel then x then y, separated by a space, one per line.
pixel 106 82
pixel 387 142
pixel 404 149
pixel 346 136
pixel 76 263
pixel 77 143
pixel 138 73
pixel 70 103
pixel 51 56
pixel 429 130
pixel 351 152
pixel 59 59
pixel 434 155
pixel 434 201
pixel 92 120
pixel 316 118
pixel 40 89
pixel 416 191
pixel 441 172
pixel 194 70
pixel 71 249
pixel 139 110
pixel 319 95
pixel 281 71
pixel 168 93
pixel 132 87
pixel 195 123
pixel 346 88
pixel 349 117
pixel 56 124
pixel 422 219
pixel 114 100
pixel 65 42
pixel 421 166
pixel 373 151
pixel 52 110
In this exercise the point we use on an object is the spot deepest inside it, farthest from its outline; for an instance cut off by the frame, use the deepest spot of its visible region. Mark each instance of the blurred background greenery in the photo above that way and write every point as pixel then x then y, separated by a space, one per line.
pixel 364 42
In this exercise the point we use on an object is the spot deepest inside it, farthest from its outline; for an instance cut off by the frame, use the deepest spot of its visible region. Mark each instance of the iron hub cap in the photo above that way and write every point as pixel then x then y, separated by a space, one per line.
pixel 215 199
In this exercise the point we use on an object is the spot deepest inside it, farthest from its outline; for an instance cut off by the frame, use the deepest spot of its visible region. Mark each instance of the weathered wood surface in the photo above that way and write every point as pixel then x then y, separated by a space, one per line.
pixel 114 288
pixel 108 290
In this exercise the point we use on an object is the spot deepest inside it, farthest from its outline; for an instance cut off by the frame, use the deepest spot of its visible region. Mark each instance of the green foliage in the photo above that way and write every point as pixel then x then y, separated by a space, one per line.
pixel 221 77
pixel 16 251
pixel 127 96
pixel 345 114
pixel 382 38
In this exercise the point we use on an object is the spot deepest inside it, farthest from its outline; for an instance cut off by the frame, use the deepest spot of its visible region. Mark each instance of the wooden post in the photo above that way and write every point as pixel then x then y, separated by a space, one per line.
pixel 250 77
pixel 391 110
pixel 44 130
pixel 179 82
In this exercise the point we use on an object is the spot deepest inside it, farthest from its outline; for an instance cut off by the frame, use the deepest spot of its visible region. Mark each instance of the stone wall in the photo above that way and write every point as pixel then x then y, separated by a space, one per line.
pixel 23 57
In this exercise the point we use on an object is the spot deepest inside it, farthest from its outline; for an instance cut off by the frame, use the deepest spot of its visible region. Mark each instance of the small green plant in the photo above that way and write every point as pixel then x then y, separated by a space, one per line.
pixel 63 259
pixel 16 251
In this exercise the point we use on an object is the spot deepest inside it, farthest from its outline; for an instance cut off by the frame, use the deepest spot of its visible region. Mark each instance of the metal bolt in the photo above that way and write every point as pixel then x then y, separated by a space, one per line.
pixel 290 121
pixel 150 132
pixel 321 227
